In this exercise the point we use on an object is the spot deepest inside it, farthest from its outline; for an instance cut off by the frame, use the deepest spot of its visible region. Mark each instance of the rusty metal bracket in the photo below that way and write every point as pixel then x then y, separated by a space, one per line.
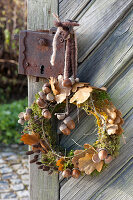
pixel 35 50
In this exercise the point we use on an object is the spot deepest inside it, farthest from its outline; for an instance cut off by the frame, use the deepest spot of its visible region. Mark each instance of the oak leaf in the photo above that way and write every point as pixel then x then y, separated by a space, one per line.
pixel 81 95
pixel 59 91
pixel 32 139
pixel 87 165
pixel 78 85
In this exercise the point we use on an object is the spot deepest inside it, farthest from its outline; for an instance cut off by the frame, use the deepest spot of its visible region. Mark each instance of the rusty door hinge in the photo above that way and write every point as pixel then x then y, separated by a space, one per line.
pixel 35 50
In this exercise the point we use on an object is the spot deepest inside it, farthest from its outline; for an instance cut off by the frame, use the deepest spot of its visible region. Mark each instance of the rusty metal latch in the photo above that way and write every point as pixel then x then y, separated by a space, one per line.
pixel 35 50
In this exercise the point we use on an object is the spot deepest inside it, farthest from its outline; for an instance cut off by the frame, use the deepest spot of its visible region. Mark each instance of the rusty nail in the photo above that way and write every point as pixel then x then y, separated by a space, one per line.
pixel 42 42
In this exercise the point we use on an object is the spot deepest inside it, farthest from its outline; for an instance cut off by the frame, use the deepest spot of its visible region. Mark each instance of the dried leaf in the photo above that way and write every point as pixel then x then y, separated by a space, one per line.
pixel 87 165
pixel 90 149
pixel 54 85
pixel 77 154
pixel 59 91
pixel 81 95
pixel 30 139
pixel 78 85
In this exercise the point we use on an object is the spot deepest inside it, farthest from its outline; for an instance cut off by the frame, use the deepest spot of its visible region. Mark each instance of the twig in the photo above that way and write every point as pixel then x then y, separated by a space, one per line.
pixel 9 61
pixel 77 143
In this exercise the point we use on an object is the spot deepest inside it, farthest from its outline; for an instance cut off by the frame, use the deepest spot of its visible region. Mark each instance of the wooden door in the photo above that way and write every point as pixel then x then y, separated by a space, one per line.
pixel 105 58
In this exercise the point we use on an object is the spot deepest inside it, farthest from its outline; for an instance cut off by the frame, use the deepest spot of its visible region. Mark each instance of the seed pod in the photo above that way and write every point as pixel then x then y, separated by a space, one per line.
pixel 21 121
pixel 29 152
pixel 119 131
pixel 26 117
pixel 50 97
pixel 61 116
pixel 69 122
pixel 42 95
pixel 117 120
pixel 95 158
pixel 108 159
pixel 40 167
pixel 41 103
pixel 67 83
pixel 102 154
pixel 63 128
pixel 21 115
pixel 39 163
pixel 46 114
pixel 33 160
pixel 75 173
pixel 46 168
pixel 46 85
pixel 46 90
pixel 121 121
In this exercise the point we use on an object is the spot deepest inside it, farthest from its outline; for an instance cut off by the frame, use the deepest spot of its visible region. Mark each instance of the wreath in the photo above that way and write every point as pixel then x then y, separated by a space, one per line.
pixel 53 103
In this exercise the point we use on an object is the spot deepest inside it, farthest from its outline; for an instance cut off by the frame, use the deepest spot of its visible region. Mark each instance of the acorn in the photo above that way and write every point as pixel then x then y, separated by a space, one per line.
pixel 95 158
pixel 72 80
pixel 46 84
pixel 26 117
pixel 39 163
pixel 46 90
pixel 63 128
pixel 69 122
pixel 102 154
pixel 40 167
pixel 46 114
pixel 61 116
pixel 50 97
pixel 46 168
pixel 117 120
pixel 41 103
pixel 66 173
pixel 42 95
pixel 66 83
pixel 29 152
pixel 112 115
pixel 21 115
pixel 108 159
pixel 33 160
pixel 75 173
pixel 21 121
pixel 76 80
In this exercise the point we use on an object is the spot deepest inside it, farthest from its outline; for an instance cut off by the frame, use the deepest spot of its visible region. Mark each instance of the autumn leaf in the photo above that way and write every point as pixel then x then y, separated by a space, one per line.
pixel 59 91
pixel 81 95
pixel 78 85
pixel 77 154
pixel 32 139
pixel 87 165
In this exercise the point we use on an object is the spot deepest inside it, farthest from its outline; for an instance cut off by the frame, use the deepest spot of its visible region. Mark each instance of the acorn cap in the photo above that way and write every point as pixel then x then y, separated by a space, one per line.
pixel 46 90
pixel 63 128
pixel 41 103
pixel 108 159
pixel 61 116
pixel 21 115
pixel 42 95
pixel 95 158
pixel 50 97
pixel 69 122
pixel 46 113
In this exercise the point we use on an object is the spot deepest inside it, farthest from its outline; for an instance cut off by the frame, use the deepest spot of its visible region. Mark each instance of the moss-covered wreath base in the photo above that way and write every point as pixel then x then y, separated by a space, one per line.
pixel 52 103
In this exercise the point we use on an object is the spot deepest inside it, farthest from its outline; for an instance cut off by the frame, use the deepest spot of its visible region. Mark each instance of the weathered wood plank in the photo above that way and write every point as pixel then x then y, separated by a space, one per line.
pixel 98 21
pixel 111 57
pixel 70 9
pixel 120 187
pixel 87 186
pixel 42 185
